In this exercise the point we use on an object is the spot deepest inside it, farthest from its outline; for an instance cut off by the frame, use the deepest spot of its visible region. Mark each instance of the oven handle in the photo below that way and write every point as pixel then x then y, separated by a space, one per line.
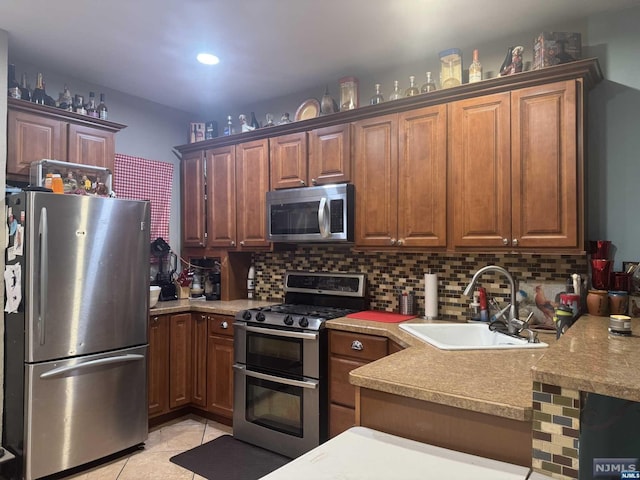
pixel 312 384
pixel 276 332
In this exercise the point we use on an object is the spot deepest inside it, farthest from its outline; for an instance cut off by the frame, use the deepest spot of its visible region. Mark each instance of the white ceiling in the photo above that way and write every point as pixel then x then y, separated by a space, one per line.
pixel 268 48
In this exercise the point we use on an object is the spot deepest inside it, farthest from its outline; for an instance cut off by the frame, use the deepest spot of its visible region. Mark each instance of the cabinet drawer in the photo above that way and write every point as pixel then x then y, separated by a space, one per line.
pixel 340 390
pixel 340 419
pixel 220 325
pixel 357 345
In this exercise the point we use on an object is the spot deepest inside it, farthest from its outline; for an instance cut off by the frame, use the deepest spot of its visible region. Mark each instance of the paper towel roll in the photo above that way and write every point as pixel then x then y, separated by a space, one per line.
pixel 430 295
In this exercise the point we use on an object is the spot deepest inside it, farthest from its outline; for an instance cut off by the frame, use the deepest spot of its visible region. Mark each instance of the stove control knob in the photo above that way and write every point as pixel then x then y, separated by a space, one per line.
pixel 260 317
pixel 246 315
pixel 288 320
pixel 304 323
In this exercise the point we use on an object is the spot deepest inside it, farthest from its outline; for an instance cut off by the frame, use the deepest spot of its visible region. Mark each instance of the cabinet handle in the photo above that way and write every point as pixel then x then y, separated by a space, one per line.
pixel 233 243
pixel 314 181
pixel 224 325
pixel 155 319
pixel 357 345
pixel 505 241
pixel 242 243
pixel 515 242
pixel 400 242
pixel 302 182
pixel 203 317
pixel 393 241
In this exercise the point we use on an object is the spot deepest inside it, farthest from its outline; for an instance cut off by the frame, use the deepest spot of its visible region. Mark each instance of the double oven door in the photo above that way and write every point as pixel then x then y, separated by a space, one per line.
pixel 280 394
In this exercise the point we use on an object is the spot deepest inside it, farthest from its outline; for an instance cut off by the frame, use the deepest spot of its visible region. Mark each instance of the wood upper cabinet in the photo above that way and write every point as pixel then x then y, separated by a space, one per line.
pixel 400 178
pixel 288 157
pixel 547 168
pixel 221 197
pixel 480 167
pixel 193 195
pixel 318 157
pixel 36 132
pixel 514 164
pixel 220 365
pixel 252 184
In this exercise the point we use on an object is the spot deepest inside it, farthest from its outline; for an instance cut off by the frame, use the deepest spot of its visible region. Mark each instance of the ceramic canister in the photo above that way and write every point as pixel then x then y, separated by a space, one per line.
pixel 618 302
pixel 598 303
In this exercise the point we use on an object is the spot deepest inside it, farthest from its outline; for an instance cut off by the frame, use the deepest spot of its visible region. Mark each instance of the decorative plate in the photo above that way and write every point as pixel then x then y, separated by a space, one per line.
pixel 308 109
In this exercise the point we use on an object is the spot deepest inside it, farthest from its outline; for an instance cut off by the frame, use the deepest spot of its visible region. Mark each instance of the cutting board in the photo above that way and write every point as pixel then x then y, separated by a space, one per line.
pixel 379 316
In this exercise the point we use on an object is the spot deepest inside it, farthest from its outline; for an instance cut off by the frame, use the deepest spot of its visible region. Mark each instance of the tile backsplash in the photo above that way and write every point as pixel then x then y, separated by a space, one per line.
pixel 387 272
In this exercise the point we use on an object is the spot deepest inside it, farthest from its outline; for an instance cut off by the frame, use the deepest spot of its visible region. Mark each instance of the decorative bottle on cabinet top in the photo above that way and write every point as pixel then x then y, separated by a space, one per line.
pixel 475 69
pixel 429 84
pixel 103 112
pixel 396 94
pixel 412 90
pixel 377 97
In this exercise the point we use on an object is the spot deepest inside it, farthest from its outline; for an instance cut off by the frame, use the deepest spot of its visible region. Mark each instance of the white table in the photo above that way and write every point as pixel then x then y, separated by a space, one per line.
pixel 362 453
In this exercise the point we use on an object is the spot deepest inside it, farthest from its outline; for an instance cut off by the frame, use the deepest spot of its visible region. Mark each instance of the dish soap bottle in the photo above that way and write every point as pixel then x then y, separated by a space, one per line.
pixel 251 285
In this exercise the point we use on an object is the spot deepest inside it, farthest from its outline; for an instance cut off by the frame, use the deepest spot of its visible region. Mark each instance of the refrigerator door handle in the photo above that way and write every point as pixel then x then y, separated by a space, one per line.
pixel 44 273
pixel 61 371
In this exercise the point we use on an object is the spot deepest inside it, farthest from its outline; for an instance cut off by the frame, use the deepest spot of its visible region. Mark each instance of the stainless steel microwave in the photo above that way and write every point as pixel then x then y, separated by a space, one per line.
pixel 311 214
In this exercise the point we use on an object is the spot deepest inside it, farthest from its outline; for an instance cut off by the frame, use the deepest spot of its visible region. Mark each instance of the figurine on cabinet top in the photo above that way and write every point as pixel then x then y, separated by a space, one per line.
pixel 245 127
pixel 512 62
pixel 285 119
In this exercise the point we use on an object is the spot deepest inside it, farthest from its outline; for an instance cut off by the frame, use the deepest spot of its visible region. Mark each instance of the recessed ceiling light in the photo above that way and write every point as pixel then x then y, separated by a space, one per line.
pixel 208 59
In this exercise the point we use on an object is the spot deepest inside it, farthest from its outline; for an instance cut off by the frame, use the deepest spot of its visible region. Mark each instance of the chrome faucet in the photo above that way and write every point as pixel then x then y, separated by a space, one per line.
pixel 514 326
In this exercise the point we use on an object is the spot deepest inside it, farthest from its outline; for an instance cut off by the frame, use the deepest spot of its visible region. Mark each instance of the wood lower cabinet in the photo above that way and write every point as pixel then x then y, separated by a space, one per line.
pixel 400 178
pixel 220 365
pixel 190 363
pixel 158 365
pixel 199 339
pixel 36 132
pixel 516 170
pixel 348 351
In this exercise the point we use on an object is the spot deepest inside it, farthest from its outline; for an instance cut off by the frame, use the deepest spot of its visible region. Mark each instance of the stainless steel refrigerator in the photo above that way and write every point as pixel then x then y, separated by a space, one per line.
pixel 76 312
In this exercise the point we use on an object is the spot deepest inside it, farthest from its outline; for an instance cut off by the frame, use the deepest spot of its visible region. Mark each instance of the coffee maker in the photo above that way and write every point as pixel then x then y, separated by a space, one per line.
pixel 209 269
pixel 167 266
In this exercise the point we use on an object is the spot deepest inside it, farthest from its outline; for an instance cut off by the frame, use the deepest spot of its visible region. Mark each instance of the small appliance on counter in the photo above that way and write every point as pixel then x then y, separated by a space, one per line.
pixel 208 271
pixel 167 265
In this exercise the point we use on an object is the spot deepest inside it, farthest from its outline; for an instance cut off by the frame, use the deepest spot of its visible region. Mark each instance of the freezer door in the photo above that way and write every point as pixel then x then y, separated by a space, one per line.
pixel 83 409
pixel 87 281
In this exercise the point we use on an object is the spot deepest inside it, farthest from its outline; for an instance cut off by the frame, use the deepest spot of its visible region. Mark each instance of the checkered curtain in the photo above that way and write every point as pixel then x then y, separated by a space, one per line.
pixel 137 178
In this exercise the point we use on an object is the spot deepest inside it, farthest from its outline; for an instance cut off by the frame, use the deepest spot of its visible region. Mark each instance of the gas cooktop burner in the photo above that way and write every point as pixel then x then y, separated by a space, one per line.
pixel 310 300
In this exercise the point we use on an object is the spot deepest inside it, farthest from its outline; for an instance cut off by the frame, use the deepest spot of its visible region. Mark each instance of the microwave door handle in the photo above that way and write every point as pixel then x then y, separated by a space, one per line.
pixel 323 218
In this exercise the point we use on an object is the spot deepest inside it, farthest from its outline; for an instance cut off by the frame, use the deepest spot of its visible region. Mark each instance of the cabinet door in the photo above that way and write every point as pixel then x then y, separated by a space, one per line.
pixel 32 138
pixel 480 166
pixel 158 365
pixel 545 164
pixel 330 155
pixel 221 197
pixel 179 360
pixel 220 373
pixel 199 359
pixel 91 146
pixel 288 158
pixel 422 177
pixel 252 184
pixel 376 180
pixel 193 219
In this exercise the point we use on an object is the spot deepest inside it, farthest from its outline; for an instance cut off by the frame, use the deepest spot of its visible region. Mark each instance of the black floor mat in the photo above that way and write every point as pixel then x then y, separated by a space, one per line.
pixel 226 458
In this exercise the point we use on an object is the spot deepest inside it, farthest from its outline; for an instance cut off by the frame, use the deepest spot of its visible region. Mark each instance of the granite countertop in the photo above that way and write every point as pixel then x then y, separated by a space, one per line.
pixel 499 382
pixel 589 359
pixel 496 382
pixel 220 307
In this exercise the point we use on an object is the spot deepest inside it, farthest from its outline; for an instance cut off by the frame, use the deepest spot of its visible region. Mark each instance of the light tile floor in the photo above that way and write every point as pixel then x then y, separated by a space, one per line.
pixel 165 441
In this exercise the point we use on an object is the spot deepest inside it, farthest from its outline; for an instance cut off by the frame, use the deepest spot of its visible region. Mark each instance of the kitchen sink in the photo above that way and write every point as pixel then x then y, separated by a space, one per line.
pixel 465 336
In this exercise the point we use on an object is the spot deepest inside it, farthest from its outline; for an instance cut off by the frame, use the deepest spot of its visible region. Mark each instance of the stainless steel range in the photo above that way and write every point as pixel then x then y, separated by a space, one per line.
pixel 280 370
